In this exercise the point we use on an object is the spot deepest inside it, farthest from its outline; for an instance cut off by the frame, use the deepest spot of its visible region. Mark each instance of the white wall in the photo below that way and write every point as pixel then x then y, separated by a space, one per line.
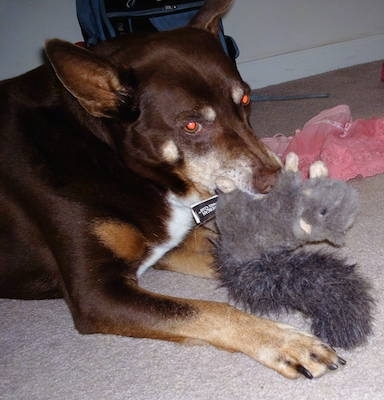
pixel 279 40
pixel 24 27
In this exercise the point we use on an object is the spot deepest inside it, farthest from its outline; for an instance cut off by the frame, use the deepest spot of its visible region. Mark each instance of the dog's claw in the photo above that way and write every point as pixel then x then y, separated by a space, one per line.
pixel 318 363
pixel 333 367
pixel 304 372
pixel 341 361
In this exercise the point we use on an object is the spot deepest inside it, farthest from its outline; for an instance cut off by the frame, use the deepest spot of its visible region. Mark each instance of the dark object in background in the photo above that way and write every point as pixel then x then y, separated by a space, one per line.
pixel 103 19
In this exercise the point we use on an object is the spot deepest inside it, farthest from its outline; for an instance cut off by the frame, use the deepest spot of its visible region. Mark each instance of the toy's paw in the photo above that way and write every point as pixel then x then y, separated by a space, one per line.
pixel 318 170
pixel 291 162
pixel 297 353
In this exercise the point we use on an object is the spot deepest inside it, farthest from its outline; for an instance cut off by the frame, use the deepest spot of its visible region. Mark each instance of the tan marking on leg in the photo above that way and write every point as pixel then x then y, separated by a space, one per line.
pixel 151 315
pixel 277 346
pixel 124 240
pixel 193 256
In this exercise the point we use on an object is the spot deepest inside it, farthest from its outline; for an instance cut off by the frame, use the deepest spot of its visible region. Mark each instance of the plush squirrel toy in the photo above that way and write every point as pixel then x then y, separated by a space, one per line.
pixel 262 262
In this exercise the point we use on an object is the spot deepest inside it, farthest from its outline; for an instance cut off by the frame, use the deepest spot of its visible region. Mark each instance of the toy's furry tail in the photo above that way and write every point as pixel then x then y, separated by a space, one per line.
pixel 318 284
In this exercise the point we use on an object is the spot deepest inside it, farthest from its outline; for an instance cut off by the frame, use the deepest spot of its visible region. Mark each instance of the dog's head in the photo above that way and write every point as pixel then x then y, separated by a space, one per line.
pixel 171 104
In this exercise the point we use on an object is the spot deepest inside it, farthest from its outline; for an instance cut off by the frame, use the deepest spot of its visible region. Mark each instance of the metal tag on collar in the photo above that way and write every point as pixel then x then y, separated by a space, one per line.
pixel 204 210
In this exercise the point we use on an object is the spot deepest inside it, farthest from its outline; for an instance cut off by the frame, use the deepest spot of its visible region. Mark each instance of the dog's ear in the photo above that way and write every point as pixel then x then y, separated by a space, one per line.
pixel 93 81
pixel 209 15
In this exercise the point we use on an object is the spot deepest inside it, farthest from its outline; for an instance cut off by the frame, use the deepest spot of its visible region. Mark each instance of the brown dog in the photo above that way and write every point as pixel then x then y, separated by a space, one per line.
pixel 102 153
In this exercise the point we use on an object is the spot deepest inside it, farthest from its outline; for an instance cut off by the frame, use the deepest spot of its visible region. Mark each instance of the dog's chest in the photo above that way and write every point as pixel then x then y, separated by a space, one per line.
pixel 178 224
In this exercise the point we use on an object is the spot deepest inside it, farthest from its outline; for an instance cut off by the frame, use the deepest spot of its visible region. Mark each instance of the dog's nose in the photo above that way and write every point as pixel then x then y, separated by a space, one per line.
pixel 265 183
pixel 267 189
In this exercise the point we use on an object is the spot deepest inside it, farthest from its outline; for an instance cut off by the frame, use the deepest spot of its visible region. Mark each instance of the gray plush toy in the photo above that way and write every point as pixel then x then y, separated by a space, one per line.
pixel 263 264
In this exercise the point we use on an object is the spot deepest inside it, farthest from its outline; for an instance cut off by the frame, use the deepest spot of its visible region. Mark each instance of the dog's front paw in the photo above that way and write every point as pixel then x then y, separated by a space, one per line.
pixel 278 346
pixel 293 353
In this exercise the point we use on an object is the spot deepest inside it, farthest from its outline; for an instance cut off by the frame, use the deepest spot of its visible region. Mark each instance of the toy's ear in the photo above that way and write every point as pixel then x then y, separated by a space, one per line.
pixel 291 162
pixel 318 170
pixel 305 226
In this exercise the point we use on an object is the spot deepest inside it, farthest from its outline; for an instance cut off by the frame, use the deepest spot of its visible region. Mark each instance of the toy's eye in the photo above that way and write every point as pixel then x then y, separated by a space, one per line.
pixel 323 211
pixel 192 127
pixel 246 99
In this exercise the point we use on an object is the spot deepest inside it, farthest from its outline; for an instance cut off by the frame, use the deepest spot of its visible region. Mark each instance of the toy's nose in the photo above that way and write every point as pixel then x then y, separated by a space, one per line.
pixel 338 239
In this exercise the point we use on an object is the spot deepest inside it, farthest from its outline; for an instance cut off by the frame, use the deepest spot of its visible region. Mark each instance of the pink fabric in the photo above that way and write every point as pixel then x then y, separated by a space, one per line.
pixel 278 143
pixel 348 148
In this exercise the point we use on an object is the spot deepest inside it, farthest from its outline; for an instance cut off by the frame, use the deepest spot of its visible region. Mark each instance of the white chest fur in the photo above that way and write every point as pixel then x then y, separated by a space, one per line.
pixel 179 223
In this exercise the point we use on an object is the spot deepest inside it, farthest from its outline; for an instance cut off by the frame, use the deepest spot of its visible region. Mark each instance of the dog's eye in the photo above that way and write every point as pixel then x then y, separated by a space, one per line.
pixel 192 127
pixel 246 99
pixel 323 211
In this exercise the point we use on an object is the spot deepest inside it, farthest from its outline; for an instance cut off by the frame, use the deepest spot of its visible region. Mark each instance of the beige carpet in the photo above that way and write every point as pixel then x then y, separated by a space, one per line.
pixel 43 357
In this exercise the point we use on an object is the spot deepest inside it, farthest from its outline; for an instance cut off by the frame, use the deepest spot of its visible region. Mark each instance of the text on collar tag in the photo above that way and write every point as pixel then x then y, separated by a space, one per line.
pixel 204 210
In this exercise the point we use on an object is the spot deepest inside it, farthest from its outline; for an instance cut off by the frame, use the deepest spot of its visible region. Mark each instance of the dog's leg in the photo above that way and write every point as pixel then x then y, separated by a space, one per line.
pixel 193 256
pixel 277 346
pixel 123 308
